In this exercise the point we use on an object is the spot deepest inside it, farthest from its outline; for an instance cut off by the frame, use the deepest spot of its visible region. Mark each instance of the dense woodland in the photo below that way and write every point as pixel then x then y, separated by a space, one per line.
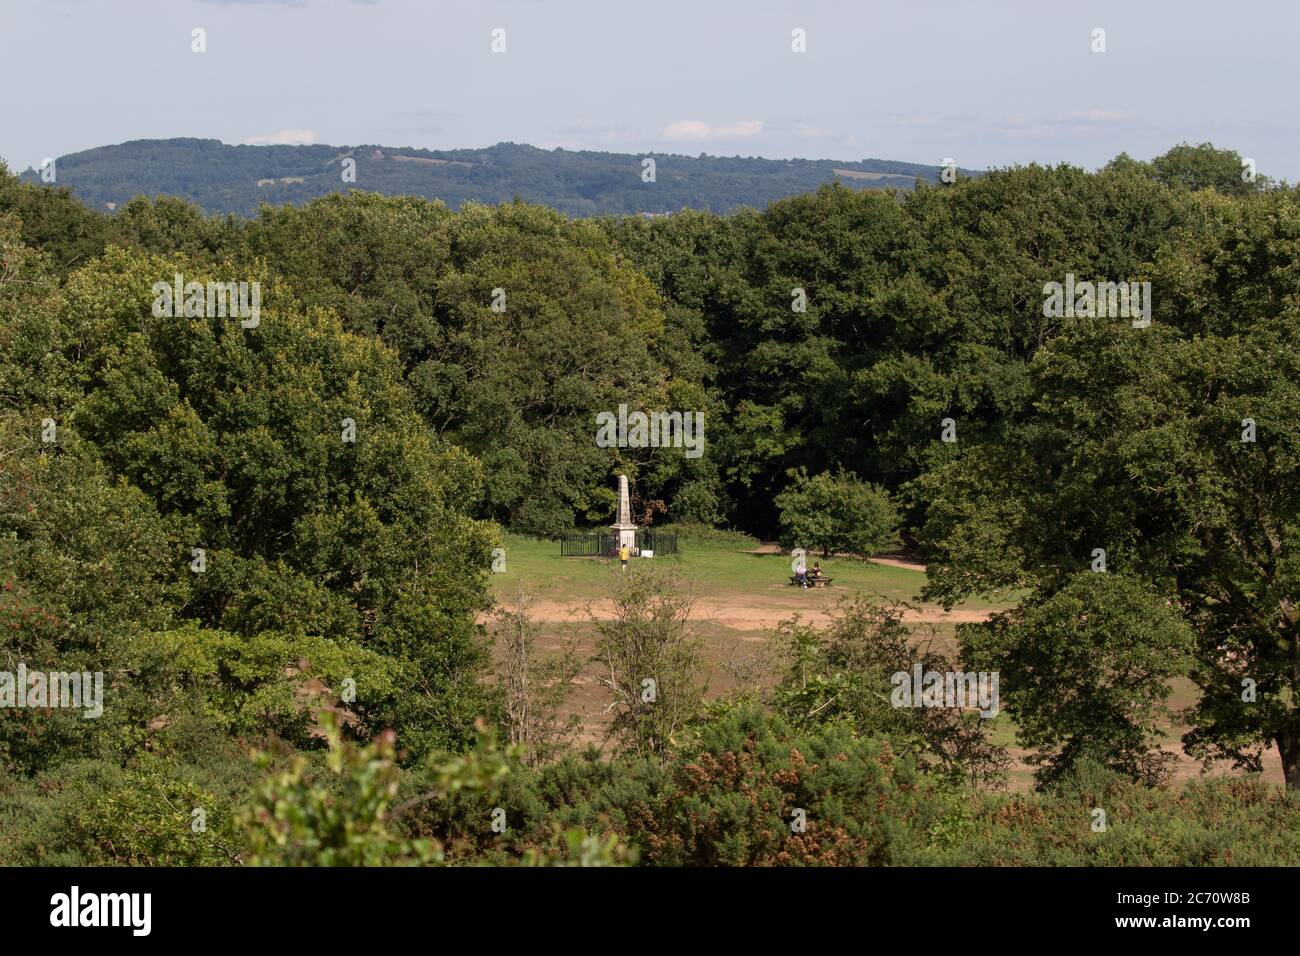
pixel 368 563
pixel 227 179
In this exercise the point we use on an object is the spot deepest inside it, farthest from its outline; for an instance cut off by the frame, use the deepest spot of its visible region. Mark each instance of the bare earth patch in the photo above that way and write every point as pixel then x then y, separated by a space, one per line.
pixel 735 626
pixel 746 613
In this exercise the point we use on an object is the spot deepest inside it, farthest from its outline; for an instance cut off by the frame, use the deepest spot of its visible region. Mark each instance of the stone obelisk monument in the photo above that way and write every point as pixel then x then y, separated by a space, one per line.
pixel 623 525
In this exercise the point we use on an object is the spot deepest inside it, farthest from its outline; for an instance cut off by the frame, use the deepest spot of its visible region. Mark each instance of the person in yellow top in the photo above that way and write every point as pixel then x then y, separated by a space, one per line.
pixel 623 555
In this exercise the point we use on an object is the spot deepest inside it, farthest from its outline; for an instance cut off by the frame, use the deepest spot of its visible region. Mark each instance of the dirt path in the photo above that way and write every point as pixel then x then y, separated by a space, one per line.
pixel 890 560
pixel 907 563
pixel 746 613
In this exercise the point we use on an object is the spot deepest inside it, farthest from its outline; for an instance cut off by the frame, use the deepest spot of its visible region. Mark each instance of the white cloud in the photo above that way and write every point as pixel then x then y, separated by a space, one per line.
pixel 813 132
pixel 285 137
pixel 1098 116
pixel 586 128
pixel 1079 124
pixel 696 129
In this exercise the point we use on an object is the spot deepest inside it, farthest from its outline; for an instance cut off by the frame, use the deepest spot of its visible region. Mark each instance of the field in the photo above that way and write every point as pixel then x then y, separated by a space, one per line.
pixel 741 594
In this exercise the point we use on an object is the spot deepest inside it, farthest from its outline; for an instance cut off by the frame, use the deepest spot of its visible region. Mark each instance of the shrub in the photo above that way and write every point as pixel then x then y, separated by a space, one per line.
pixel 836 513
pixel 650 661
pixel 97 813
pixel 735 793
pixel 844 672
pixel 1212 821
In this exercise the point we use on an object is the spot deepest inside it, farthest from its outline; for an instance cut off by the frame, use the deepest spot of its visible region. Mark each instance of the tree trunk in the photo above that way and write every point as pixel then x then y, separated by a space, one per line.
pixel 1288 745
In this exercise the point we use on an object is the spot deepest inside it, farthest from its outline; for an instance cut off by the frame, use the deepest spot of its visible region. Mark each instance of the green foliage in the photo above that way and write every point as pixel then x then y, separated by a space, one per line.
pixel 353 815
pixel 84 564
pixel 236 436
pixel 836 513
pixel 1195 167
pixel 725 798
pixel 331 564
pixel 1086 672
pixel 343 820
pixel 576 847
pixel 845 672
pixel 1208 822
pixel 100 813
pixel 1139 444
pixel 688 531
pixel 580 333
pixel 735 793
pixel 53 221
pixel 266 683
pixel 151 821
pixel 648 652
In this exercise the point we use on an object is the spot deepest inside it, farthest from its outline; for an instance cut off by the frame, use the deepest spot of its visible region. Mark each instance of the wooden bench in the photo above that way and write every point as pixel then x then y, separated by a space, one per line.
pixel 822 582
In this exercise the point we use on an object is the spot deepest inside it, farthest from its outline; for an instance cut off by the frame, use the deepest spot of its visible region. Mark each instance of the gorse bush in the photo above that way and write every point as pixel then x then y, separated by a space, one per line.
pixel 1209 822
pixel 174 811
pixel 745 790
pixel 752 792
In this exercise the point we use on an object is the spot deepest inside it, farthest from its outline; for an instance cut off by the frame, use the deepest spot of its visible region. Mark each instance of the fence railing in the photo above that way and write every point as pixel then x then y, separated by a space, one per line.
pixel 605 543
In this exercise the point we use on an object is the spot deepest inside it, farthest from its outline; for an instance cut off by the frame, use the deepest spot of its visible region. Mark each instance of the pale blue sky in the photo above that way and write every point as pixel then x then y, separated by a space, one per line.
pixel 988 83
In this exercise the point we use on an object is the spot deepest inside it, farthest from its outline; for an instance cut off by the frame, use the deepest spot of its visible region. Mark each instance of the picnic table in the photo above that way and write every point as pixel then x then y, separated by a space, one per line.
pixel 822 582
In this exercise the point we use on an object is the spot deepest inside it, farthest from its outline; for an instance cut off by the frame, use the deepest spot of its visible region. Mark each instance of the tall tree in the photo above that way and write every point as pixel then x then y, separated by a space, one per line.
pixel 1174 450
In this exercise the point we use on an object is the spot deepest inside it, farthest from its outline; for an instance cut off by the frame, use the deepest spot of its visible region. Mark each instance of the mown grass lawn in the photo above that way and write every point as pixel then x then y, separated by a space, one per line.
pixel 711 568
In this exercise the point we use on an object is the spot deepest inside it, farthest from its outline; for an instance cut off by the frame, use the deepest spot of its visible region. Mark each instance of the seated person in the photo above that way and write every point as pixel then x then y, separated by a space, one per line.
pixel 816 570
pixel 801 577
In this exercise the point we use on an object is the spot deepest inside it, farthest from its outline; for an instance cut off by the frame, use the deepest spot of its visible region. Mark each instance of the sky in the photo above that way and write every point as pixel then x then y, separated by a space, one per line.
pixel 983 82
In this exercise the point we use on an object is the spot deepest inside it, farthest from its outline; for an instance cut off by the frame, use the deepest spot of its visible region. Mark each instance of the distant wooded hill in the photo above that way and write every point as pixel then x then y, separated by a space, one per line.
pixel 236 179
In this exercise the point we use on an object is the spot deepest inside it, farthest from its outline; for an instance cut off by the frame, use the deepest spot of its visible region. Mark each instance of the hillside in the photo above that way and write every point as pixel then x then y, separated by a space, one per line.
pixel 237 179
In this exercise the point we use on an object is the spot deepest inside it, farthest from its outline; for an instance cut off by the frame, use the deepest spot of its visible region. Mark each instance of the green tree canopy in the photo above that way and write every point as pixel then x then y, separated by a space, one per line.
pixel 836 513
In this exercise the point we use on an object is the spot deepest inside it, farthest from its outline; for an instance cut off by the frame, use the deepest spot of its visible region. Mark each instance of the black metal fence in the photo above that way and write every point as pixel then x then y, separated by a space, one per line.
pixel 605 543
